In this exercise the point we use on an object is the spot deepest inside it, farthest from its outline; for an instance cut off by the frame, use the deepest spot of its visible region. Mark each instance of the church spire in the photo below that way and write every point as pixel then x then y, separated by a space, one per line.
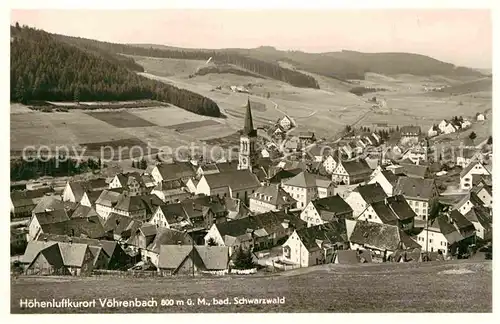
pixel 248 128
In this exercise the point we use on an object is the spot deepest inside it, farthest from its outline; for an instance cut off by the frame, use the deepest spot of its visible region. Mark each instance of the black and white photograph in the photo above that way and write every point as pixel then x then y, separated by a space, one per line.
pixel 274 160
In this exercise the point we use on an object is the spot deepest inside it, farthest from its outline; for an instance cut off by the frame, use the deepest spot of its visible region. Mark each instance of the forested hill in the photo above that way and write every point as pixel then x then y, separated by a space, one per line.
pixel 45 68
pixel 267 68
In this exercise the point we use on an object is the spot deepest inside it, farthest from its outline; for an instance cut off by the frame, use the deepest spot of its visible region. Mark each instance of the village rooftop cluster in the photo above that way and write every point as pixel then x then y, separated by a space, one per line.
pixel 277 208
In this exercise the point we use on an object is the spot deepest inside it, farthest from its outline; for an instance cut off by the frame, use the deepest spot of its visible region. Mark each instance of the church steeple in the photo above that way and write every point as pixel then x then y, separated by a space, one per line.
pixel 248 128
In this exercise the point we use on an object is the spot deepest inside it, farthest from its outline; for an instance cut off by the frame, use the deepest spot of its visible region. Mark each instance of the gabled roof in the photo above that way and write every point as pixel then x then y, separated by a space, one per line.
pixel 213 257
pixel 93 195
pixel 33 249
pixel 165 236
pixel 108 198
pixel 73 254
pixel 227 166
pixel 30 194
pixel 410 130
pixel 274 195
pixel 174 213
pixel 415 188
pixel 481 215
pixel 82 211
pixel 108 247
pixel 381 236
pixel 390 177
pixel 461 222
pixel 48 203
pixel 176 170
pixel 87 227
pixel 331 206
pixel 443 224
pixel 413 170
pixel 312 237
pixel 171 256
pixel 236 180
pixel 393 209
pixel 356 167
pixel 302 180
pixel 130 203
pixel 119 224
pixel 50 217
pixel 248 127
pixel 469 167
pixel 371 192
pixel 209 167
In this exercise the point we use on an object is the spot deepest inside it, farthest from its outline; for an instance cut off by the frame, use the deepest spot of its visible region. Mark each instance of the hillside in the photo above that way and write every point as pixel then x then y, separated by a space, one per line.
pixel 268 69
pixel 44 68
pixel 480 85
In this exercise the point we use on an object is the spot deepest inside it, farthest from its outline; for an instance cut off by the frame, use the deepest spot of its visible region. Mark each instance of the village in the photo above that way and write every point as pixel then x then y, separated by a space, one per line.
pixel 290 201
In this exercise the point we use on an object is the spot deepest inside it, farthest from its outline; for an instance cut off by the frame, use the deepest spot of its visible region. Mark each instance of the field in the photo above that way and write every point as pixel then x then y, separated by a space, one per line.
pixel 120 119
pixel 455 286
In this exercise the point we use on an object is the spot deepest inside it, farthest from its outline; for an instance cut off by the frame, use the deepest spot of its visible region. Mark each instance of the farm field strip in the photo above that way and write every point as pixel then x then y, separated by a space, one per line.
pixel 192 125
pixel 120 119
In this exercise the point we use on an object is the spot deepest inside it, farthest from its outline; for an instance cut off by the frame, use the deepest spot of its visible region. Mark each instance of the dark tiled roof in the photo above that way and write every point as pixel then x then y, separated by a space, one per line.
pixel 393 209
pixel 108 198
pixel 50 217
pixel 174 213
pixel 33 249
pixel 274 195
pixel 30 194
pixel 227 166
pixel 284 174
pixel 481 215
pixel 371 192
pixel 460 220
pixel 176 170
pixel 236 180
pixel 356 167
pixel 165 236
pixel 73 253
pixel 329 207
pixel 413 170
pixel 415 188
pixel 302 180
pixel 334 232
pixel 410 130
pixel 83 211
pixel 48 203
pixel 391 177
pixel 381 236
pixel 87 227
pixel 109 247
pixel 213 257
pixel 469 167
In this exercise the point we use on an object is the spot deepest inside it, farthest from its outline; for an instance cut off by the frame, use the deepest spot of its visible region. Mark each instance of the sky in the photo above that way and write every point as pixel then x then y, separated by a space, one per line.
pixel 462 37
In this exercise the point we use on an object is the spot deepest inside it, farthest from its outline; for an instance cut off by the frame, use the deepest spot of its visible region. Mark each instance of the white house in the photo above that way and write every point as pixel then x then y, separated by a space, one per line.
pixel 47 217
pixel 285 122
pixel 306 186
pixel 391 211
pixel 351 172
pixel 419 193
pixel 239 184
pixel 465 124
pixel 449 128
pixel 467 155
pixel 271 198
pixel 330 163
pixel 484 193
pixel 324 210
pixel 480 117
pixel 364 195
pixel 433 131
pixel 170 216
pixel 466 176
pixel 315 245
pixel 481 218
pixel 386 179
pixel 207 169
pixel 325 187
pixel 172 171
pixel 442 125
pixel 171 191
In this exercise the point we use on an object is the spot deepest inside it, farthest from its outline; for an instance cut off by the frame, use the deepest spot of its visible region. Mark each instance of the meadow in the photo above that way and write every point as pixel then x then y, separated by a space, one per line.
pixel 454 286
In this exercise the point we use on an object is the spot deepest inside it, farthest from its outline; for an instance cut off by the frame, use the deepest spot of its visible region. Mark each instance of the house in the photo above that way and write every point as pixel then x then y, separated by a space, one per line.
pixel 89 227
pixel 148 238
pixel 172 171
pixel 280 175
pixel 352 257
pixel 235 209
pixel 324 210
pixel 410 134
pixel 325 186
pixel 480 117
pixel 121 227
pixel 271 198
pixel 481 218
pixel 209 168
pixel 256 232
pixel 472 169
pixel 285 122
pixel 236 184
pixel 433 131
pixel 415 154
pixel 317 153
pixel 444 233
pixel 188 259
pixel 315 245
pixel 106 202
pixel 293 145
pixel 391 211
pixel 115 257
pixel 203 211
pixel 43 218
pixel 23 202
pixel 381 239
pixel 461 202
pixel 330 163
pixel 170 216
pixel 83 211
pixel 351 172
pixel 419 193
pixel 89 198
pixel 75 190
pixel 57 258
pixel 364 195
pixel 465 124
pixel 306 138
pixel 467 155
pixel 483 191
pixel 131 182
pixel 191 185
pixel 171 191
pixel 415 170
pixel 303 188
pixel 43 258
pixel 386 179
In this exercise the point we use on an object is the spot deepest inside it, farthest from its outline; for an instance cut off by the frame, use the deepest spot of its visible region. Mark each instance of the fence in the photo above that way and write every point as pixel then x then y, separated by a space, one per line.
pixel 244 272
pixel 130 273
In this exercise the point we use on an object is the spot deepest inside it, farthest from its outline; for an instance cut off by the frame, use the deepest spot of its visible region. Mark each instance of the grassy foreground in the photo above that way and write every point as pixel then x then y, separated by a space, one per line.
pixel 457 286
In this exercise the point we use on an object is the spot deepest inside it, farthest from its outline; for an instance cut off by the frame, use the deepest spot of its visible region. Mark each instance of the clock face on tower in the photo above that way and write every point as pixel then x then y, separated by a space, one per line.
pixel 244 160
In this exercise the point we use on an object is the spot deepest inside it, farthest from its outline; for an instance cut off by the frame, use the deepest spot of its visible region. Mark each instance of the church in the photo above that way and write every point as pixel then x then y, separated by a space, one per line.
pixel 248 156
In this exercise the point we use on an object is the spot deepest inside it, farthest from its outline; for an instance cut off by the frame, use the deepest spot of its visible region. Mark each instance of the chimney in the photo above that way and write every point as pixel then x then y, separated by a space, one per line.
pixel 179 243
pixel 45 239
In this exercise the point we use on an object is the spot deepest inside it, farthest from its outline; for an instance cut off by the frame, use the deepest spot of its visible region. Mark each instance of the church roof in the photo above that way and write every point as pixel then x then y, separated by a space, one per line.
pixel 248 128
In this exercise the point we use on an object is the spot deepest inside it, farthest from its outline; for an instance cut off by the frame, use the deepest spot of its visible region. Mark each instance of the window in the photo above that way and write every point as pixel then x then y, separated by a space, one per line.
pixel 430 240
pixel 369 216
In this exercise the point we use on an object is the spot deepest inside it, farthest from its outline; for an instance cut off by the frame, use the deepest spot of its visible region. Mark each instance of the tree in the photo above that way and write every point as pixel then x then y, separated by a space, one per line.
pixel 244 259
pixel 144 164
pixel 490 140
pixel 472 136
pixel 133 164
pixel 211 242
pixel 268 95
